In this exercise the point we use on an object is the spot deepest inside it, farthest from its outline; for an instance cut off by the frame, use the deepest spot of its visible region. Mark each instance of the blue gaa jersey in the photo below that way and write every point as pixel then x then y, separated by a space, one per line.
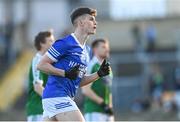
pixel 66 53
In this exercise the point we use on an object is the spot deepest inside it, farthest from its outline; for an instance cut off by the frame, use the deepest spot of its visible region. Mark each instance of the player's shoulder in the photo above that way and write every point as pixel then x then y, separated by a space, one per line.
pixel 36 58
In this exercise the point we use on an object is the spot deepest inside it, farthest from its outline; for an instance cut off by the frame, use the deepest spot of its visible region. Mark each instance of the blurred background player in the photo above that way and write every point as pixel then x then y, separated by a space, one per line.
pixel 98 101
pixel 66 62
pixel 37 79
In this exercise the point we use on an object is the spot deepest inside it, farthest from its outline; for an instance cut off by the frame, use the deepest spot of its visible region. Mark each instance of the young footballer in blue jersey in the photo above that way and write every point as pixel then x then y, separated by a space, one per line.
pixel 66 63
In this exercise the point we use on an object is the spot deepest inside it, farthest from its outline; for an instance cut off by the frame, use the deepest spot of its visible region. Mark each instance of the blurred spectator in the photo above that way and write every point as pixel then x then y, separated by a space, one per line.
pixel 140 105
pixel 8 34
pixel 156 84
pixel 177 78
pixel 2 43
pixel 151 37
pixel 177 89
pixel 137 36
pixel 167 101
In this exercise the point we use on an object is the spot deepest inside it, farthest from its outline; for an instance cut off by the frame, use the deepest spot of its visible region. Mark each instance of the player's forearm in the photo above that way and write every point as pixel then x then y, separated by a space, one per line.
pixel 49 69
pixel 111 102
pixel 38 89
pixel 89 79
pixel 91 95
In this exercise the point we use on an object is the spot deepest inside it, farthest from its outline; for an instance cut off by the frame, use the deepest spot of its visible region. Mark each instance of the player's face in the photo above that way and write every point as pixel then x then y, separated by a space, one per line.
pixel 49 42
pixel 89 24
pixel 103 50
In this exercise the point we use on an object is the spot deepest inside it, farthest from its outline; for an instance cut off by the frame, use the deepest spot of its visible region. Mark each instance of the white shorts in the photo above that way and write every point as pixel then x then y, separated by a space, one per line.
pixel 35 118
pixel 54 106
pixel 98 117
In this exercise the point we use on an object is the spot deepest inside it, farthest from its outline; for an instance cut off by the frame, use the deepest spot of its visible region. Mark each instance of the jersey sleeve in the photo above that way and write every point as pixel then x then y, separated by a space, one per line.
pixel 57 50
pixel 35 72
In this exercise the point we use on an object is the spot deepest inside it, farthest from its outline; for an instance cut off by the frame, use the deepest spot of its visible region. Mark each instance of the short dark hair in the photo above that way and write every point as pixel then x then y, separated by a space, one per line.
pixel 41 38
pixel 97 41
pixel 81 11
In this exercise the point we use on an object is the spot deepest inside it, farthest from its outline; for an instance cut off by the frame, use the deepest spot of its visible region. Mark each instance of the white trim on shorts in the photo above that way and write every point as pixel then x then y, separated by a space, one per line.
pixel 54 106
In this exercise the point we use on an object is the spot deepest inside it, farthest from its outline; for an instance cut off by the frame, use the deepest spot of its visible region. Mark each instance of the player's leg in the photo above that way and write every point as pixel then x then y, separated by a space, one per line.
pixel 49 119
pixel 46 116
pixel 62 108
pixel 70 116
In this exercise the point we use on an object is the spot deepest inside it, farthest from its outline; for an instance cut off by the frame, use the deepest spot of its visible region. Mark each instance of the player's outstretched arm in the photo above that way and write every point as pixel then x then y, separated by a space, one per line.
pixel 103 71
pixel 45 65
pixel 88 92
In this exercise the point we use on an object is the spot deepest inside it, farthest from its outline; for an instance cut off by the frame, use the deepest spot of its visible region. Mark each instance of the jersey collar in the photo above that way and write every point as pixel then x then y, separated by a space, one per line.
pixel 73 35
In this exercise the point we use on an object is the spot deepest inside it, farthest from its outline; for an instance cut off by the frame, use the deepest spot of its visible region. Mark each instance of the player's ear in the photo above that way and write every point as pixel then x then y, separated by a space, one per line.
pixel 81 22
pixel 42 44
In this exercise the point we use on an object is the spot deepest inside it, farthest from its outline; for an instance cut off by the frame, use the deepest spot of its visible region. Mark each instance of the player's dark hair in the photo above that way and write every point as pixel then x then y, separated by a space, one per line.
pixel 81 11
pixel 96 42
pixel 41 38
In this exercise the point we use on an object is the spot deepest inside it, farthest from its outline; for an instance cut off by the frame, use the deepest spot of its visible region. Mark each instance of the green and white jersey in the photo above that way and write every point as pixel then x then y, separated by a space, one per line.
pixel 34 102
pixel 102 87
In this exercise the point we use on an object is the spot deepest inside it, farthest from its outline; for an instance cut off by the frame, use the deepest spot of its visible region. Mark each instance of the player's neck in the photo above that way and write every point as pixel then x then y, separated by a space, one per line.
pixel 81 36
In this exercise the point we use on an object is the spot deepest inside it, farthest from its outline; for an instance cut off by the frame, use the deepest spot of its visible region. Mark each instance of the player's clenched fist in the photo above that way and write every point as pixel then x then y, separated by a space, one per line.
pixel 104 69
pixel 73 73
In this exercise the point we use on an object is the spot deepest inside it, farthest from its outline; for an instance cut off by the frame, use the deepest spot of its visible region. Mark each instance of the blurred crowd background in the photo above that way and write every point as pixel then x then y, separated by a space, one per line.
pixel 144 38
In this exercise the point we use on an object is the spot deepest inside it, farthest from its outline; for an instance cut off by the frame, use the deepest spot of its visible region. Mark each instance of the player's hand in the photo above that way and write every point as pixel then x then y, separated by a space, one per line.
pixel 104 69
pixel 73 73
pixel 106 108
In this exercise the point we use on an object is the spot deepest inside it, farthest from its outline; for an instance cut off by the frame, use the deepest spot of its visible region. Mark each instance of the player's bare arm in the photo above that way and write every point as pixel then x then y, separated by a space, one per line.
pixel 46 66
pixel 37 83
pixel 38 88
pixel 87 79
pixel 87 91
pixel 111 101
